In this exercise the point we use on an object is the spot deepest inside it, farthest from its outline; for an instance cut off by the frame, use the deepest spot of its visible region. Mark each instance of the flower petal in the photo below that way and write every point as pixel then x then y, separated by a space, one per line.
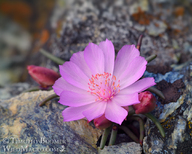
pixel 138 86
pixel 135 70
pixel 109 55
pixel 74 75
pixel 75 113
pixel 126 100
pixel 74 99
pixel 78 59
pixel 114 112
pixel 61 85
pixel 96 111
pixel 94 58
pixel 124 58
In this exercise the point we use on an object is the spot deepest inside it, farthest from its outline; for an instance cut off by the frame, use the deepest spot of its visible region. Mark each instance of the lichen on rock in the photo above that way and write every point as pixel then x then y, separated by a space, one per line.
pixel 24 124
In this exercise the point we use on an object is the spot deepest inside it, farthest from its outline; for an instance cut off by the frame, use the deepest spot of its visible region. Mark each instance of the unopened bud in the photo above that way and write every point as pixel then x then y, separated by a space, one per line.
pixel 43 76
pixel 102 122
pixel 147 103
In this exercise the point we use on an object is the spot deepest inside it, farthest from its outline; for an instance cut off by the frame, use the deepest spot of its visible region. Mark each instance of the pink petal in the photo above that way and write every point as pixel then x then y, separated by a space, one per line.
pixel 124 58
pixel 75 113
pixel 138 86
pixel 115 113
pixel 61 85
pixel 78 59
pixel 74 75
pixel 94 58
pixel 109 55
pixel 96 111
pixel 126 100
pixel 74 99
pixel 135 71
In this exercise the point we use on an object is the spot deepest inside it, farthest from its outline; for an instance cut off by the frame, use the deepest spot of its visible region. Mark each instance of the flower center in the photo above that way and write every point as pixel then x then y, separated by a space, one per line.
pixel 103 86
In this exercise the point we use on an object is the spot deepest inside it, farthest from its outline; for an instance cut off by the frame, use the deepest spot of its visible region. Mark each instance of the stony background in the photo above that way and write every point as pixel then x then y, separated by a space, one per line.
pixel 175 116
pixel 164 24
pixel 26 128
pixel 167 32
pixel 63 27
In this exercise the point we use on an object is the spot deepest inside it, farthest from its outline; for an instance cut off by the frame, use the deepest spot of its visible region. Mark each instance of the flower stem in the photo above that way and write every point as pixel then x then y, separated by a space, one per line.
pixel 104 137
pixel 156 91
pixel 32 89
pixel 141 125
pixel 53 58
pixel 47 99
pixel 139 42
pixel 129 133
pixel 156 122
pixel 113 135
pixel 150 58
pixel 131 111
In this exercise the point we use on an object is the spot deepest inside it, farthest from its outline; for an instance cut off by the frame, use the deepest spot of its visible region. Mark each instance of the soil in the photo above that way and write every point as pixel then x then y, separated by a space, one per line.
pixel 162 69
pixel 171 91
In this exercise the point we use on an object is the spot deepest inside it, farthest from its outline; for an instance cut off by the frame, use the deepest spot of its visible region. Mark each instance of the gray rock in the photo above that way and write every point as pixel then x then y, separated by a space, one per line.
pixel 156 30
pixel 123 148
pixel 12 90
pixel 178 135
pixel 27 128
pixel 15 43
pixel 90 21
pixel 175 118
pixel 139 27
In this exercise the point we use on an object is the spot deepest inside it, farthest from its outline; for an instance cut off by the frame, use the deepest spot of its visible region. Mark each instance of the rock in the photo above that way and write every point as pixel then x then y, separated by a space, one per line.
pixel 123 148
pixel 140 4
pixel 74 26
pixel 15 43
pixel 12 90
pixel 26 127
pixel 78 23
pixel 175 117
pixel 156 28
pixel 178 135
pixel 139 27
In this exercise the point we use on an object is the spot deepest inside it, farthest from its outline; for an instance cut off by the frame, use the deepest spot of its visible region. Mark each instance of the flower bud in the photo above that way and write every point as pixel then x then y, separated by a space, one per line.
pixel 147 103
pixel 102 122
pixel 43 76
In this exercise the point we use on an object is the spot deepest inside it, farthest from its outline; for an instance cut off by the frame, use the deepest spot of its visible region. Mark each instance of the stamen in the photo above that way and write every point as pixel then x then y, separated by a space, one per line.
pixel 103 92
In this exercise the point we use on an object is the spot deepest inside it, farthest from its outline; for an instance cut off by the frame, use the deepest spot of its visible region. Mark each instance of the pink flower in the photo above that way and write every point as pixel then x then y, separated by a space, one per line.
pixel 93 83
pixel 147 103
pixel 103 123
pixel 43 76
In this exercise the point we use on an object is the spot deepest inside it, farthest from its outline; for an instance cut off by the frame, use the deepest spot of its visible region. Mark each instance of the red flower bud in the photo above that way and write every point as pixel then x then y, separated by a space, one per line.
pixel 43 76
pixel 102 122
pixel 147 103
